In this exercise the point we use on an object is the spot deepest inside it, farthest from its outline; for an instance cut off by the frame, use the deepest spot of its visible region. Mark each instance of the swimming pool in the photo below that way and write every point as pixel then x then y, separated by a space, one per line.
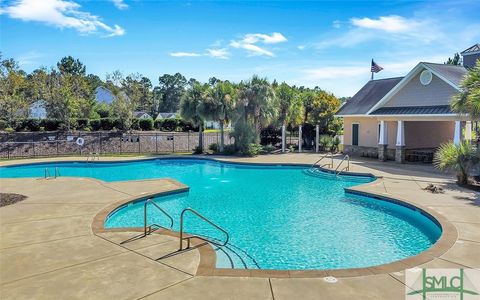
pixel 278 216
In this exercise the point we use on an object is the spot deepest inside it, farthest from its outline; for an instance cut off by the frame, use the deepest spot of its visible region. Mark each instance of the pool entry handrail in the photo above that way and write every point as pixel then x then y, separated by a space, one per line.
pixel 92 155
pixel 321 158
pixel 346 168
pixel 211 241
pixel 147 229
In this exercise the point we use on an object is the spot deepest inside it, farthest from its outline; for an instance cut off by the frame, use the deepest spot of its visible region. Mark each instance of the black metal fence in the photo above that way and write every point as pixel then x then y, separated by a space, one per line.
pixel 32 144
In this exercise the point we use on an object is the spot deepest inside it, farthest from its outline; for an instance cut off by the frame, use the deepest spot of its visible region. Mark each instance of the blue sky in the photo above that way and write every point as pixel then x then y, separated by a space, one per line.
pixel 314 43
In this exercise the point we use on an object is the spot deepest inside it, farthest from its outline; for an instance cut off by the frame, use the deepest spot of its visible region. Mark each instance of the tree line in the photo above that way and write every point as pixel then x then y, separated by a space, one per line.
pixel 250 105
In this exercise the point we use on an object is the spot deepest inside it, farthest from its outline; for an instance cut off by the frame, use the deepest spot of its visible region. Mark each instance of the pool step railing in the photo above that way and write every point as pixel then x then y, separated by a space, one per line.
pixel 339 170
pixel 208 240
pixel 149 228
pixel 48 175
pixel 92 156
pixel 330 164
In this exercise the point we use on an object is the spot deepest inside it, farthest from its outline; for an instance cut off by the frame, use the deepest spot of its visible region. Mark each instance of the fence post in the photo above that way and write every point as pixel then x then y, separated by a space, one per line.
pixel 283 139
pixel 156 142
pixel 121 142
pixel 300 138
pixel 33 142
pixel 188 141
pixel 138 143
pixel 99 142
pixel 56 139
pixel 173 142
pixel 317 136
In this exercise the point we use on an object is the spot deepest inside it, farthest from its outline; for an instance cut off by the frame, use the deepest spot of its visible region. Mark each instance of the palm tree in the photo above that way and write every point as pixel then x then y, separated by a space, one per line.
pixel 468 101
pixel 460 158
pixel 190 108
pixel 259 101
pixel 219 105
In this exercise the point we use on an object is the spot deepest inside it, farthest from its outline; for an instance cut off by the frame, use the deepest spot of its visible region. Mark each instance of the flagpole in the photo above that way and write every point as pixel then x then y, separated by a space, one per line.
pixel 372 76
pixel 371 70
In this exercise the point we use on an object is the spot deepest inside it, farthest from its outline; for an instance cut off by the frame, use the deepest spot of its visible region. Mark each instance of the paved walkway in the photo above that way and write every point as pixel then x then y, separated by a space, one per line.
pixel 48 250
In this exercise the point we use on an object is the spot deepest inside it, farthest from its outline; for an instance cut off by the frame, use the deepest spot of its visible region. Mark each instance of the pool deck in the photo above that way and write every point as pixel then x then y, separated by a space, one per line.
pixel 51 248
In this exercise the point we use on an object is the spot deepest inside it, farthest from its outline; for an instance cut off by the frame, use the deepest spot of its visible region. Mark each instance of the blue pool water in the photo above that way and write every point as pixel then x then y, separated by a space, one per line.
pixel 278 217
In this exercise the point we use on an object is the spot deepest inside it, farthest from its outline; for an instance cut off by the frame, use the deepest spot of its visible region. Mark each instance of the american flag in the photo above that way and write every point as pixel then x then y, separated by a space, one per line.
pixel 375 68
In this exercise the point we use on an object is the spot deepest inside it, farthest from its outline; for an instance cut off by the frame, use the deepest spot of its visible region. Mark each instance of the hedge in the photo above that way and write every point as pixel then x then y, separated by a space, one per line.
pixel 97 124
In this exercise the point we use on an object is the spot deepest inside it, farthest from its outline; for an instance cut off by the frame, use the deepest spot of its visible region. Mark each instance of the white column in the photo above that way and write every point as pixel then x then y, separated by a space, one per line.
pixel 383 140
pixel 457 133
pixel 400 134
pixel 468 130
pixel 317 137
pixel 283 139
pixel 300 138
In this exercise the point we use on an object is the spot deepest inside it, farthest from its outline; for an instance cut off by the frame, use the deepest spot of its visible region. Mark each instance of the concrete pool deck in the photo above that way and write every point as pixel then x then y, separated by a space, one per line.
pixel 48 249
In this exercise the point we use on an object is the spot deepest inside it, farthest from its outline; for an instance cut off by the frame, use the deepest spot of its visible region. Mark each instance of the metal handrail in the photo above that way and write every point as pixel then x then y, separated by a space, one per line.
pixel 145 225
pixel 347 167
pixel 92 156
pixel 323 156
pixel 47 173
pixel 197 236
pixel 57 172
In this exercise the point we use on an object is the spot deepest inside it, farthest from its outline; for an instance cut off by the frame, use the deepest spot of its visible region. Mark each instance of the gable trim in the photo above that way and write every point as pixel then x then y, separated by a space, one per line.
pixel 405 81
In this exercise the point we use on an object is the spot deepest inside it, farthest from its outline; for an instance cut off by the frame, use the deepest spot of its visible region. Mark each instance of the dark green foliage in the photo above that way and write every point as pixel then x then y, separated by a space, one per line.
pixel 229 149
pixel 169 124
pixel 32 124
pixel 50 124
pixel 107 123
pixel 268 148
pixel 146 124
pixel 95 124
pixel 213 147
pixel 157 124
pixel 135 124
pixel 198 150
pixel 82 124
pixel 270 135
pixel 252 150
pixel 3 124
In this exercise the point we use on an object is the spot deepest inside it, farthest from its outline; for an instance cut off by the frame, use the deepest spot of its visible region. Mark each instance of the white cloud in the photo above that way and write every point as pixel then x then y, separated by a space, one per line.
pixel 185 54
pixel 61 14
pixel 29 58
pixel 249 42
pixel 218 53
pixel 391 23
pixel 120 4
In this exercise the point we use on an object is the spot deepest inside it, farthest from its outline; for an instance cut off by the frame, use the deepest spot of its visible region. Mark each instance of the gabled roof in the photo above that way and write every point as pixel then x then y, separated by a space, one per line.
pixel 166 116
pixel 452 73
pixel 368 96
pixel 138 114
pixel 473 49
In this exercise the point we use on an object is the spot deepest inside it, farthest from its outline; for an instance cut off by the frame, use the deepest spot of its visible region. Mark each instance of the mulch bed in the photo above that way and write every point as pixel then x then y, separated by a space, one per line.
pixel 8 199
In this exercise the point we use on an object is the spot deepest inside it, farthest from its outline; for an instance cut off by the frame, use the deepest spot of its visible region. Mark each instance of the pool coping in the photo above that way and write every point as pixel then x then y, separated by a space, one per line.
pixel 207 264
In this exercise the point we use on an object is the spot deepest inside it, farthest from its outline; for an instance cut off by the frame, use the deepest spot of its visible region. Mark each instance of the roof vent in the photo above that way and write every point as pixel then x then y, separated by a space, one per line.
pixel 426 77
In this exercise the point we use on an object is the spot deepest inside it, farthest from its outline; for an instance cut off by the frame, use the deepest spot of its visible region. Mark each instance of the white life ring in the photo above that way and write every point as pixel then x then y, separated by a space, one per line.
pixel 80 141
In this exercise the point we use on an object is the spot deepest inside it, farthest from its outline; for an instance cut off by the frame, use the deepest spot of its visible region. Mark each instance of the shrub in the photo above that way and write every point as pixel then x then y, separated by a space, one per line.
pixel 146 124
pixel 82 124
pixel 325 142
pixel 197 150
pixel 268 148
pixel 3 124
pixel 229 149
pixel 270 135
pixel 335 144
pixel 50 124
pixel 107 123
pixel 158 124
pixel 9 130
pixel 95 124
pixel 19 124
pixel 460 158
pixel 135 124
pixel 252 150
pixel 33 124
pixel 213 147
pixel 169 124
